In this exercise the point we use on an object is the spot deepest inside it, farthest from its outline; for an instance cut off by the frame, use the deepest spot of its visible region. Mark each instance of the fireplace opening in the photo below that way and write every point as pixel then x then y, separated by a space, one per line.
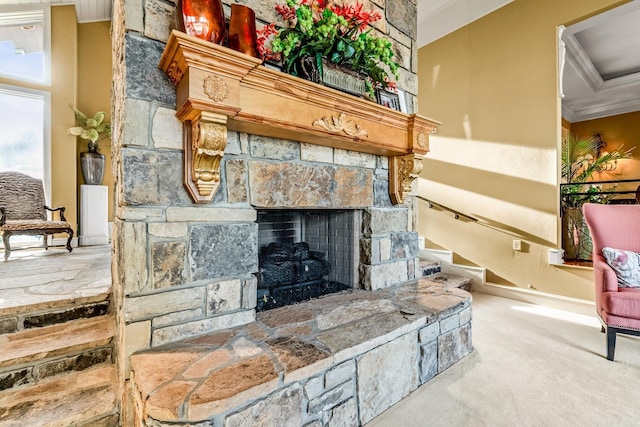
pixel 305 254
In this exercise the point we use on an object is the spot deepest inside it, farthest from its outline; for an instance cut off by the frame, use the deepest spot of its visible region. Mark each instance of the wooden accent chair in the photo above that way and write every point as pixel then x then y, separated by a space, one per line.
pixel 616 270
pixel 22 210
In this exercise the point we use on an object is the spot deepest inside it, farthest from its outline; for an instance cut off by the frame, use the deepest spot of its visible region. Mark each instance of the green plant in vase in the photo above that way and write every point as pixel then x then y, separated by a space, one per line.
pixel 341 34
pixel 93 129
pixel 581 159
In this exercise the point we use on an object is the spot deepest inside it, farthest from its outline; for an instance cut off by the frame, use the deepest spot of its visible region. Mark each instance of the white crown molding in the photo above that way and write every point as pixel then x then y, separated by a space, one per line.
pixel 567 113
pixel 624 82
pixel 439 19
pixel 579 60
pixel 601 110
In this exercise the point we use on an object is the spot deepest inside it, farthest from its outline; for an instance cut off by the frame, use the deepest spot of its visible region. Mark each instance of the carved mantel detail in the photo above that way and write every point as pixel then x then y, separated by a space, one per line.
pixel 218 89
pixel 423 142
pixel 215 88
pixel 340 124
pixel 208 138
pixel 403 170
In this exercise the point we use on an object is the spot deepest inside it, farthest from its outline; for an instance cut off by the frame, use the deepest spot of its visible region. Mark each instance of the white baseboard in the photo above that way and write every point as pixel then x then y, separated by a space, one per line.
pixel 436 255
pixel 93 240
pixel 477 275
pixel 479 284
pixel 559 302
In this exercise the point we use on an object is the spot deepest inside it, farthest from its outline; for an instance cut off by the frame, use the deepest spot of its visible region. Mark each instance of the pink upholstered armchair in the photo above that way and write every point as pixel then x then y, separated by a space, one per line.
pixel 618 227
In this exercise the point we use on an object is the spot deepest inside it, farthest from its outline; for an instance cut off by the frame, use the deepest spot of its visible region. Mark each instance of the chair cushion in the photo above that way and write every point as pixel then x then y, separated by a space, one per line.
pixel 28 225
pixel 626 264
pixel 623 304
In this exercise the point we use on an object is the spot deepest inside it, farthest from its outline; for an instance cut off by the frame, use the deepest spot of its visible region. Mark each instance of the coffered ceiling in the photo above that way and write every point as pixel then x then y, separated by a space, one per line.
pixel 601 76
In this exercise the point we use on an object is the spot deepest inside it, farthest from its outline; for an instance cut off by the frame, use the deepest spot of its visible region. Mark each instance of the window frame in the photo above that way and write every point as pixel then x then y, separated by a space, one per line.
pixel 46 43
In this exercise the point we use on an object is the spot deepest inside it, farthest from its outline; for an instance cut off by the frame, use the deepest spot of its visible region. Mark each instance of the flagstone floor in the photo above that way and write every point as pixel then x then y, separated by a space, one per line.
pixel 38 278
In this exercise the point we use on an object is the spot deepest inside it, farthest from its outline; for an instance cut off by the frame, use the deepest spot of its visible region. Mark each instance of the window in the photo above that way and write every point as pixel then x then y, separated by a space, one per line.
pixel 25 119
pixel 22 131
pixel 24 44
pixel 24 138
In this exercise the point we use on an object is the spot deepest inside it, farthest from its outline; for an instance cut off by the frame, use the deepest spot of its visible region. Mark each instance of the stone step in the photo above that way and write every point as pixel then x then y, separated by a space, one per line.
pixel 451 280
pixel 28 316
pixel 29 356
pixel 429 268
pixel 79 399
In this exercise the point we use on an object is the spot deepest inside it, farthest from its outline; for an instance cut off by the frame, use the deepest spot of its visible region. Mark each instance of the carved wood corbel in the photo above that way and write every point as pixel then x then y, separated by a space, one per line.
pixel 204 141
pixel 403 170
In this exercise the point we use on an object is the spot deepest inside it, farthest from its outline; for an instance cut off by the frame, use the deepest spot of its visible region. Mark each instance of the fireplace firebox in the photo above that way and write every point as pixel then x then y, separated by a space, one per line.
pixel 305 254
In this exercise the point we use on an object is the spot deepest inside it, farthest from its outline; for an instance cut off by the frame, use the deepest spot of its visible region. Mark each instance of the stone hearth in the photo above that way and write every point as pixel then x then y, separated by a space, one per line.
pixel 338 360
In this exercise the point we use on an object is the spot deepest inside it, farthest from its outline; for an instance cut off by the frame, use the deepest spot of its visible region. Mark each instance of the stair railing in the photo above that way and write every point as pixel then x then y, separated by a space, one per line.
pixel 456 214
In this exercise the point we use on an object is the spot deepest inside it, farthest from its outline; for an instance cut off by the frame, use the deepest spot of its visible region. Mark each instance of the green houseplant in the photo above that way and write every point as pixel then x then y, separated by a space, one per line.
pixel 339 34
pixel 581 158
pixel 93 129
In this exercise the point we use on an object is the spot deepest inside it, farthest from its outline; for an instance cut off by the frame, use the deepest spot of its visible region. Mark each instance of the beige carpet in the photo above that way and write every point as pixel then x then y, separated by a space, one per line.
pixel 530 366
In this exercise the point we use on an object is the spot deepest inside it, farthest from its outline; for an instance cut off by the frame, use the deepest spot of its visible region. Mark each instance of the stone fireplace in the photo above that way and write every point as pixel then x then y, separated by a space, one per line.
pixel 190 205
pixel 304 254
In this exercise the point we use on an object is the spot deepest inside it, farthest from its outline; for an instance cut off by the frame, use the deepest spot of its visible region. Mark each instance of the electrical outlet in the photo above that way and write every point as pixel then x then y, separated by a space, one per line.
pixel 517 245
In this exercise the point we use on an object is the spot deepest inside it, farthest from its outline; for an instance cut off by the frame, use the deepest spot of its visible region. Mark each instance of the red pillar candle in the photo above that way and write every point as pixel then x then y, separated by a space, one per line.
pixel 242 30
pixel 203 19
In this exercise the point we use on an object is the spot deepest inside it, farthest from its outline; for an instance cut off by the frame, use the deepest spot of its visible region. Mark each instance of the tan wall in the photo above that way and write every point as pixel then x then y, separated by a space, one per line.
pixel 619 132
pixel 63 94
pixel 94 88
pixel 493 84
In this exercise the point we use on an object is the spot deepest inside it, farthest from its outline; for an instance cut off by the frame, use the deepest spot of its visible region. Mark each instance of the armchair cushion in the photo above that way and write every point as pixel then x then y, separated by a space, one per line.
pixel 626 264
pixel 33 224
pixel 625 303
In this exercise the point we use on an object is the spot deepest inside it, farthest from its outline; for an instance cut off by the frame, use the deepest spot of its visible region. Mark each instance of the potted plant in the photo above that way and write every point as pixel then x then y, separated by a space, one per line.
pixel 581 158
pixel 322 34
pixel 93 129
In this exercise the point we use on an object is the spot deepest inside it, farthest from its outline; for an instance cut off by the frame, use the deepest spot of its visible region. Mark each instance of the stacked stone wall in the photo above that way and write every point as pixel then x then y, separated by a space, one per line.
pixel 174 274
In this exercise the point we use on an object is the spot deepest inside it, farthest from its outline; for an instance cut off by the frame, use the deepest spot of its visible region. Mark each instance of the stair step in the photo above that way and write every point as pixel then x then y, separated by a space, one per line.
pixel 31 355
pixel 79 399
pixel 44 281
pixel 17 318
pixel 451 280
pixel 428 267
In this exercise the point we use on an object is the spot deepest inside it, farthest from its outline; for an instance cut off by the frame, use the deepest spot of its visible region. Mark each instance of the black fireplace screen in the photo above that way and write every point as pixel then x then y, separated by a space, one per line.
pixel 305 254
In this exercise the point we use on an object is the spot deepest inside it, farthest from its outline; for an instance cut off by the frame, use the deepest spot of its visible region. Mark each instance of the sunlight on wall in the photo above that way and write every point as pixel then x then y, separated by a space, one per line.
pixel 510 218
pixel 436 73
pixel 466 125
pixel 536 164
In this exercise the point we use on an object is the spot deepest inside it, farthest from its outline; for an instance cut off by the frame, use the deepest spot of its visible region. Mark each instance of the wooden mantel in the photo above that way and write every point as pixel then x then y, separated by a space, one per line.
pixel 218 89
